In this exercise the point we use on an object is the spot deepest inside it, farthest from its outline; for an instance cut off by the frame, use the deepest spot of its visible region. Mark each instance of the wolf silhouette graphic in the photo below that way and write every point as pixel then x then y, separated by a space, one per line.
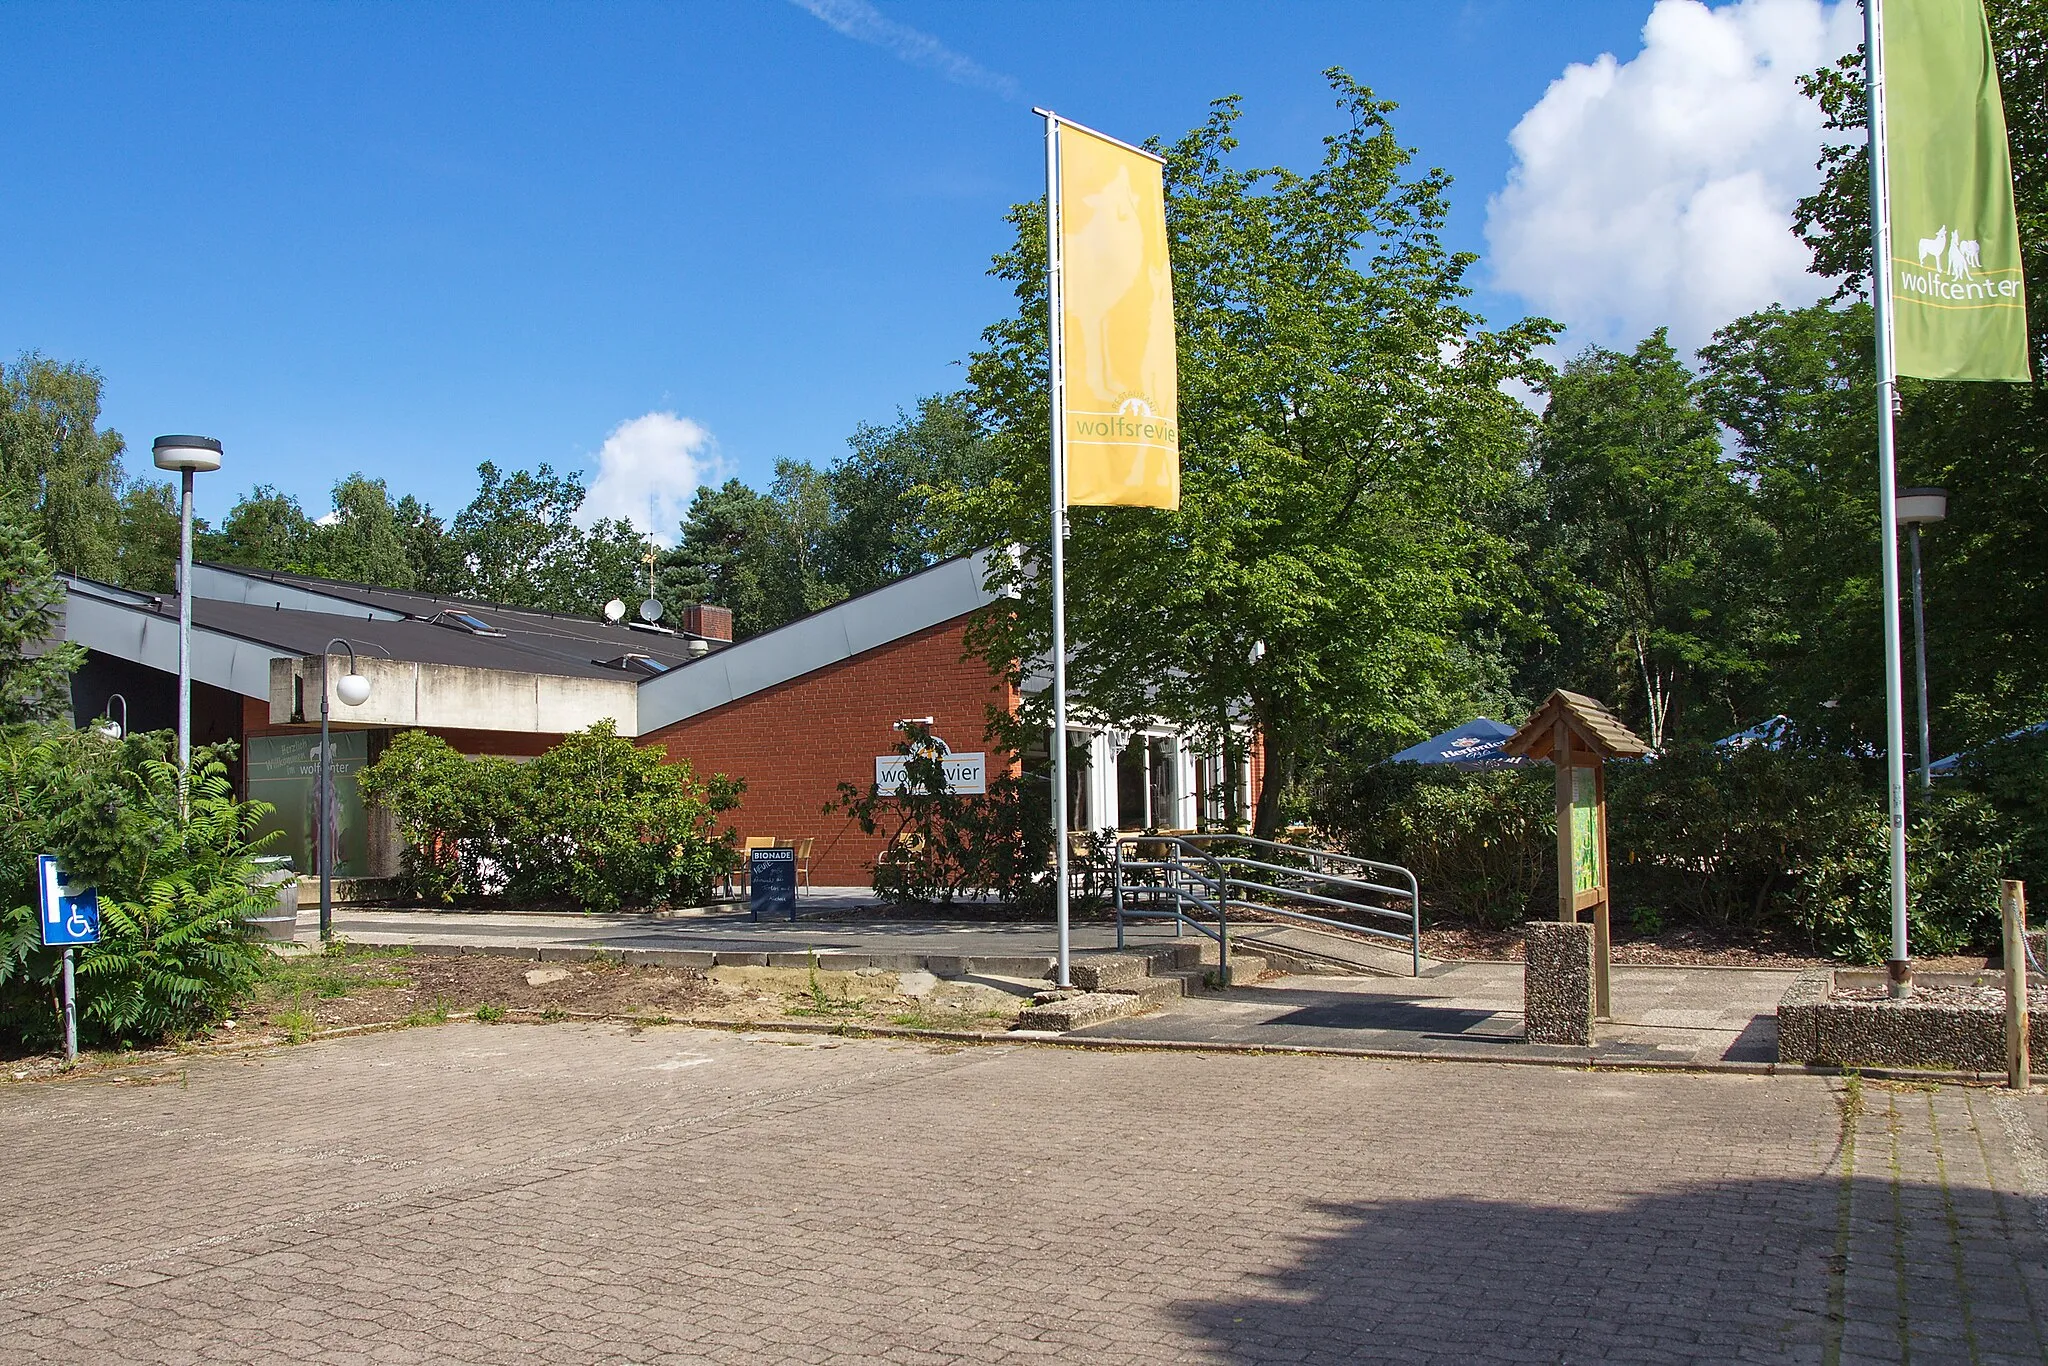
pixel 1931 246
pixel 1105 257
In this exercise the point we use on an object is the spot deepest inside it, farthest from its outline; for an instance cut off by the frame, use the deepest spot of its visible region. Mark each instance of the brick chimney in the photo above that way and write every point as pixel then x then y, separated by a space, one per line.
pixel 710 622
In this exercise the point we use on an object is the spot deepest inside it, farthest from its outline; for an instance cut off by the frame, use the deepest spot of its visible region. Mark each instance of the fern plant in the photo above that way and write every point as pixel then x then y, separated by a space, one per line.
pixel 176 886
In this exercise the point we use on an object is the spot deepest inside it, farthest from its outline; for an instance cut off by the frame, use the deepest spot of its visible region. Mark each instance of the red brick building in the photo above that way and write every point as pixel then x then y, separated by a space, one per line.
pixel 794 712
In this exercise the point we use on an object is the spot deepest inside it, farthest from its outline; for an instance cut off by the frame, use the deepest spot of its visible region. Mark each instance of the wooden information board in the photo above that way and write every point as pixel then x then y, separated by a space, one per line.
pixel 1578 735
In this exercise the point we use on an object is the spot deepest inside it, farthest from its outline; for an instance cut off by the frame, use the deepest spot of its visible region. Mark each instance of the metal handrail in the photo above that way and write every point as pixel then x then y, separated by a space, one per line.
pixel 1315 854
pixel 1212 892
pixel 1178 874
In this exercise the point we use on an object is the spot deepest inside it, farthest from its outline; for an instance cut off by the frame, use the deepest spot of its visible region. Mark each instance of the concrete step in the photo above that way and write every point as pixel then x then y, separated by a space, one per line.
pixel 1077 1012
pixel 1110 971
pixel 1245 968
pixel 1164 988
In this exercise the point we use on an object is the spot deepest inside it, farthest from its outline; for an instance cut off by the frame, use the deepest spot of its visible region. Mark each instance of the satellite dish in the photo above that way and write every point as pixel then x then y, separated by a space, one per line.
pixel 615 611
pixel 650 610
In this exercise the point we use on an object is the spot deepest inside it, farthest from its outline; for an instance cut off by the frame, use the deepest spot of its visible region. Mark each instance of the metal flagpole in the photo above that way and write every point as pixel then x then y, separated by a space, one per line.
pixel 1899 970
pixel 184 627
pixel 1055 333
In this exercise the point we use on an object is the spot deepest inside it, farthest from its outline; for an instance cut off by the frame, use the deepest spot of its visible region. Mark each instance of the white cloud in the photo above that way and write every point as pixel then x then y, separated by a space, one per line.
pixel 1659 191
pixel 862 22
pixel 647 471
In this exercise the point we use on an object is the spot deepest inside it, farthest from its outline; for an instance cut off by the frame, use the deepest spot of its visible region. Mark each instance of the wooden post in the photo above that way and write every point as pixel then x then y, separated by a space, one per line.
pixel 1603 995
pixel 2012 906
pixel 1561 764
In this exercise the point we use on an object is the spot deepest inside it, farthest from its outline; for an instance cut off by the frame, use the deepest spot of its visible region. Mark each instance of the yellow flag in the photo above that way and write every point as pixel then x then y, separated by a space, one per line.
pixel 1122 411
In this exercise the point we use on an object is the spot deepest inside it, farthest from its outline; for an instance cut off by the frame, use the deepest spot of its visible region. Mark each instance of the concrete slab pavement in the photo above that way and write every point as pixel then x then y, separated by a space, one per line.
pixel 1689 1016
pixel 571 1193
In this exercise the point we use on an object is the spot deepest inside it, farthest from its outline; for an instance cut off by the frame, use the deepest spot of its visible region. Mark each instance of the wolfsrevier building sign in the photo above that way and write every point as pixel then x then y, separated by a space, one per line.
pixel 966 774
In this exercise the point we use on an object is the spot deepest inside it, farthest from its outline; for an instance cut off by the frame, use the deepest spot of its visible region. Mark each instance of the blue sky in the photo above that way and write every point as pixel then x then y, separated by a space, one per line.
pixel 402 239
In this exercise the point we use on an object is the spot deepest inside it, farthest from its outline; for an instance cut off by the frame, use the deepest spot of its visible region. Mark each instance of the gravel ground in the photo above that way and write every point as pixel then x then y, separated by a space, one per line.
pixel 1925 995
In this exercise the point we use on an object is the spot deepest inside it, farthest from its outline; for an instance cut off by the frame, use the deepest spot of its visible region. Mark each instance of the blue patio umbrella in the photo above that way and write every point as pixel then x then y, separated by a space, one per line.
pixel 1771 734
pixel 1944 766
pixel 1476 744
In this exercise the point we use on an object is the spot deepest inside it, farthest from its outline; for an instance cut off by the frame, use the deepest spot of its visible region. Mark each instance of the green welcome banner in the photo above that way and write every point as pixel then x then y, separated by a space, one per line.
pixel 1959 303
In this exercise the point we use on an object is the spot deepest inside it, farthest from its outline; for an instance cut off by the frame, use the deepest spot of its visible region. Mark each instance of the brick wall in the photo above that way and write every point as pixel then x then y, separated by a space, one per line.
pixel 795 743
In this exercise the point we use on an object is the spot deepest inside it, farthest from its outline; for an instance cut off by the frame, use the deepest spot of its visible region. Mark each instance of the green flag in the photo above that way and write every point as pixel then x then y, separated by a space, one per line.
pixel 1959 303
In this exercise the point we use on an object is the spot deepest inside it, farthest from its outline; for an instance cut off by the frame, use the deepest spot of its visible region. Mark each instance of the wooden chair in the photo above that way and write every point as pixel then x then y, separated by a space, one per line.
pixel 748 846
pixel 803 856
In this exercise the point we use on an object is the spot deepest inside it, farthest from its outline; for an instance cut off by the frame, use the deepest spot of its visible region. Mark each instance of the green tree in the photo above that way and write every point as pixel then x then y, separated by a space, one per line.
pixel 883 525
pixel 1664 561
pixel 718 556
pixel 35 667
pixel 265 529
pixel 149 535
pixel 1342 426
pixel 432 557
pixel 362 542
pixel 57 464
pixel 612 563
pixel 518 538
pixel 1796 389
pixel 767 556
pixel 1987 567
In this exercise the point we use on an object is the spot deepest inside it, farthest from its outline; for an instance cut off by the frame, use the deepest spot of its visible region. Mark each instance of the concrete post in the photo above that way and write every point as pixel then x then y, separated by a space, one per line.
pixel 1557 982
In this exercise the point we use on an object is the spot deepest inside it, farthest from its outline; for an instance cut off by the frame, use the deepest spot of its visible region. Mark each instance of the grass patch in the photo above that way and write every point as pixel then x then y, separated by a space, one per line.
pixel 437 1013
pixel 298 1025
pixel 334 972
pixel 488 1014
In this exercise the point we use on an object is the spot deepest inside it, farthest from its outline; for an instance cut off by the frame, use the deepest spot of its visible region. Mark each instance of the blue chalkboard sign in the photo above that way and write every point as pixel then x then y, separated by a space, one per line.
pixel 771 883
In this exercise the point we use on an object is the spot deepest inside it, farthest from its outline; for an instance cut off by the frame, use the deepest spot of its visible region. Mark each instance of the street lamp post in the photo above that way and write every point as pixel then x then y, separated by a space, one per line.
pixel 353 689
pixel 1917 508
pixel 187 455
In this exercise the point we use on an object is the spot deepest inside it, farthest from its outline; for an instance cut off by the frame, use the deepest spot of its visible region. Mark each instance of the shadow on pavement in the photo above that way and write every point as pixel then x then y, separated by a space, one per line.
pixel 1387 1012
pixel 1741 1270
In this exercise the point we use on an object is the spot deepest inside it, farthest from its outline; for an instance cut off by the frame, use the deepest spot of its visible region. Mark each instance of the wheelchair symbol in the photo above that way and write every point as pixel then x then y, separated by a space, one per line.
pixel 78 925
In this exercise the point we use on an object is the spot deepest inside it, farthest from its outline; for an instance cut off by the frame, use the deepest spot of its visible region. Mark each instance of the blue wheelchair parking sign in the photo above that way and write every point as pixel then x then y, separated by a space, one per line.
pixel 70 914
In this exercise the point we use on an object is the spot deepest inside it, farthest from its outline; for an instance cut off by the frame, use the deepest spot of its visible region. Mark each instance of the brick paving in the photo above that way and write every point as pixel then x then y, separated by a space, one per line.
pixel 574 1193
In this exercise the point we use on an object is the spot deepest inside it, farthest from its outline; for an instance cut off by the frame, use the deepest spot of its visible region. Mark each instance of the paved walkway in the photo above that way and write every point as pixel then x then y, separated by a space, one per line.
pixel 1691 1016
pixel 574 1193
pixel 1696 1016
pixel 729 930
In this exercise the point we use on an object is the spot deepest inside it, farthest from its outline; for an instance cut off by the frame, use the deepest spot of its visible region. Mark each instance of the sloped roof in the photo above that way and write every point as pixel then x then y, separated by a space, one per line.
pixel 1591 723
pixel 237 633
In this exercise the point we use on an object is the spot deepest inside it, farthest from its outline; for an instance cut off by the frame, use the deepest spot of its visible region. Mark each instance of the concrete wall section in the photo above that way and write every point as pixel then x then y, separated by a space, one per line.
pixel 794 743
pixel 447 696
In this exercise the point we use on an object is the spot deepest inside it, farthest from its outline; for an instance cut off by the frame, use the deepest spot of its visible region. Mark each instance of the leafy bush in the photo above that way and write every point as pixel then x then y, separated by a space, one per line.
pixel 1789 841
pixel 452 812
pixel 597 820
pixel 1797 839
pixel 1482 845
pixel 2012 775
pixel 1954 863
pixel 175 889
pixel 944 845
pixel 1730 838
